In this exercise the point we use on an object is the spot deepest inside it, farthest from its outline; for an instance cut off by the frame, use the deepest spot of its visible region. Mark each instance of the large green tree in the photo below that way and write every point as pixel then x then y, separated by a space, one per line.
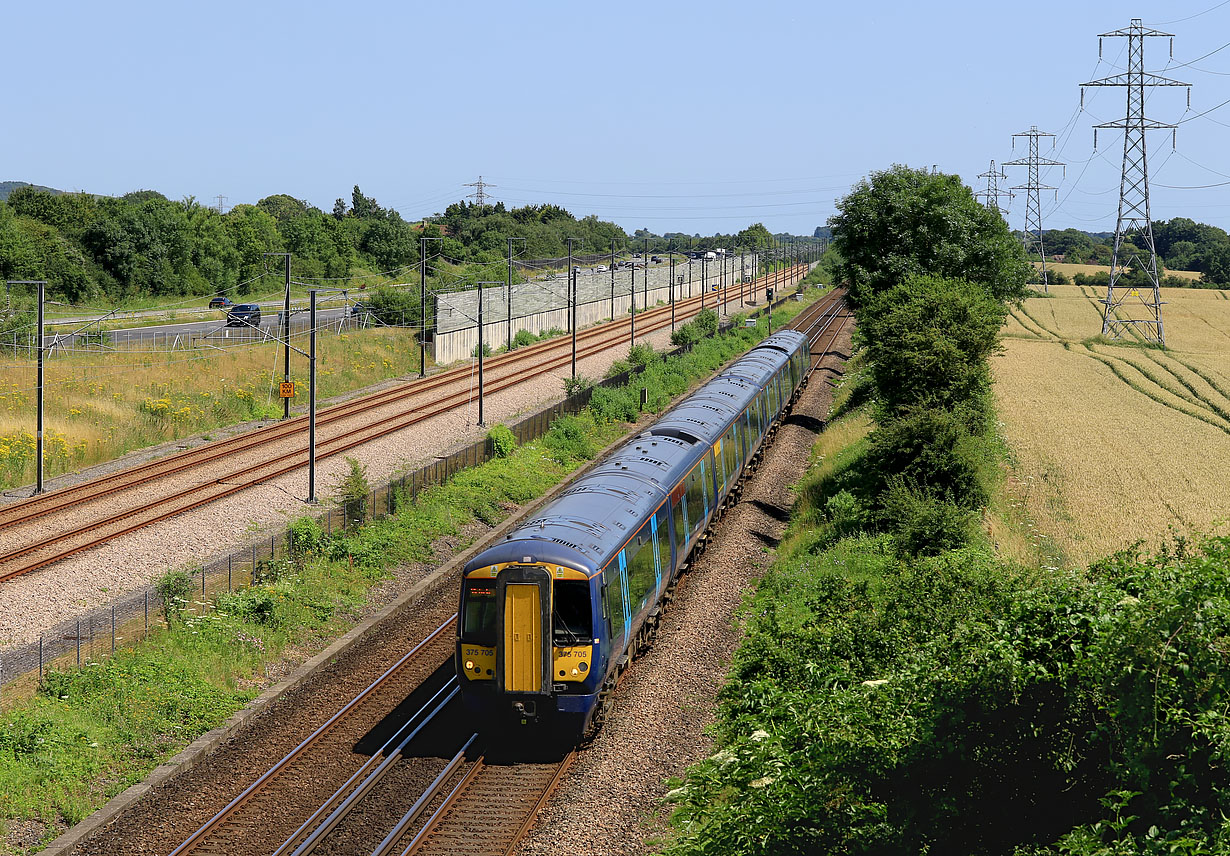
pixel 904 221
pixel 927 340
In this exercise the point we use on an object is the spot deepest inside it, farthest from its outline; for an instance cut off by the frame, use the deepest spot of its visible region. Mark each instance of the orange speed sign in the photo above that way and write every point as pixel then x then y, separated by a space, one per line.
pixel 286 389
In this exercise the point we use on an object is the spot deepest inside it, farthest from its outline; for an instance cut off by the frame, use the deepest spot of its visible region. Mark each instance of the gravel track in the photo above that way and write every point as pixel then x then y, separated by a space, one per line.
pixel 34 603
pixel 610 801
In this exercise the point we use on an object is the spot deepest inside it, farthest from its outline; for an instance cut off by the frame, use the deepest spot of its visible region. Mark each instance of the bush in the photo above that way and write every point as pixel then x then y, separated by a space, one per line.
pixel 175 589
pixel 523 338
pixel 486 350
pixel 503 441
pixel 923 524
pixel 641 355
pixel 616 368
pixel 567 440
pixel 931 449
pixel 845 514
pixel 578 384
pixel 618 404
pixel 352 491
pixel 305 536
pixel 706 322
pixel 928 341
pixel 257 604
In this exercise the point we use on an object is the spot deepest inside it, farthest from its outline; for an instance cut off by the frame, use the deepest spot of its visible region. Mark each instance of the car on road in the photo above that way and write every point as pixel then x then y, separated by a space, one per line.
pixel 600 269
pixel 221 303
pixel 657 260
pixel 243 315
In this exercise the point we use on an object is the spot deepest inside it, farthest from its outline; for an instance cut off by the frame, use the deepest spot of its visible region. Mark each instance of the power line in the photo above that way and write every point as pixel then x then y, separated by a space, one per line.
pixel 1032 236
pixel 480 195
pixel 1125 307
pixel 992 193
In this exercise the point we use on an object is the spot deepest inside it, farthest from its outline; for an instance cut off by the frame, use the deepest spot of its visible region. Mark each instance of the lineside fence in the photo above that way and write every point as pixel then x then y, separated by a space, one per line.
pixel 128 620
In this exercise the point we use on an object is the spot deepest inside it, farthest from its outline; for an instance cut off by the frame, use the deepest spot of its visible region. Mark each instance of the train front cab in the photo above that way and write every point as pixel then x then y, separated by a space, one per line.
pixel 527 651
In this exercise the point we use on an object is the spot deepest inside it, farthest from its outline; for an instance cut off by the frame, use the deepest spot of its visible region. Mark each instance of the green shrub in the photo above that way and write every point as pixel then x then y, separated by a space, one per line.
pixel 706 322
pixel 305 536
pixel 352 492
pixel 619 404
pixel 503 441
pixel 930 449
pixel 523 338
pixel 258 604
pixel 568 440
pixel 927 343
pixel 574 385
pixel 685 336
pixel 845 514
pixel 175 589
pixel 486 350
pixel 641 355
pixel 923 524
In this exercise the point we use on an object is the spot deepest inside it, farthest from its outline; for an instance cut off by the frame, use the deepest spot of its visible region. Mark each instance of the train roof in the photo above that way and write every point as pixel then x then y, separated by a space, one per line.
pixel 588 522
pixel 786 341
pixel 585 525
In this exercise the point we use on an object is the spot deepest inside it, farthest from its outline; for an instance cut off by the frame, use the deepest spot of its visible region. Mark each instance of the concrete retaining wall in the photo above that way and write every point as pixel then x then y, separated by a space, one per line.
pixel 542 304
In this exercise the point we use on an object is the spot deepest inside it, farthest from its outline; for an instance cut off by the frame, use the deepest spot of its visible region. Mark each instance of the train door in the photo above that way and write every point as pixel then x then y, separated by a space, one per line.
pixel 524 649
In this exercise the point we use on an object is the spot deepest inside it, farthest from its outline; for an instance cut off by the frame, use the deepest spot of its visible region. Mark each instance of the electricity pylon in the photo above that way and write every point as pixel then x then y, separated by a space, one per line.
pixel 992 193
pixel 480 195
pixel 1125 307
pixel 1033 186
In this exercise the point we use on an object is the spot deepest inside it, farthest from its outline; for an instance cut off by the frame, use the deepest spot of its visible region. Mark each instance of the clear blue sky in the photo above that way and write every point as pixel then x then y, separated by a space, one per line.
pixel 672 116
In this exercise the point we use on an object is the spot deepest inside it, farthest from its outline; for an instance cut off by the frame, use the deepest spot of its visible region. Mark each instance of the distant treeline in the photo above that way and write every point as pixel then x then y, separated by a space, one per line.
pixel 1182 244
pixel 142 244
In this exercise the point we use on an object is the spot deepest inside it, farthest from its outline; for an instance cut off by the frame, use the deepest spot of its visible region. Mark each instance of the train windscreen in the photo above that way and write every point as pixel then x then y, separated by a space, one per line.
pixel 478 618
pixel 573 616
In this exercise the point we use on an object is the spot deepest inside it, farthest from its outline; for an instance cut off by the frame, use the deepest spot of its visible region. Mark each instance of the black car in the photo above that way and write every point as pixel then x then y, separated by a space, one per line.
pixel 243 315
pixel 221 303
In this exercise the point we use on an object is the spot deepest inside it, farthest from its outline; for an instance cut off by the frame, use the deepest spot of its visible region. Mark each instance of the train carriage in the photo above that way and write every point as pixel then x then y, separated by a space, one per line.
pixel 552 614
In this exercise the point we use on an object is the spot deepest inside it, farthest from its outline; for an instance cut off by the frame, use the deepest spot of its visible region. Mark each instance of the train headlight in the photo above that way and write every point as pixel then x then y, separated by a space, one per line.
pixel 584 667
pixel 469 665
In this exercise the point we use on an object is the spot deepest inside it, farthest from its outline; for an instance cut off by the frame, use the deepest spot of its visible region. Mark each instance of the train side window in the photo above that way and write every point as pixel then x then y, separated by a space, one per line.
pixel 641 573
pixel 680 513
pixel 613 591
pixel 710 487
pixel 730 453
pixel 571 617
pixel 695 498
pixel 719 466
pixel 478 616
pixel 663 541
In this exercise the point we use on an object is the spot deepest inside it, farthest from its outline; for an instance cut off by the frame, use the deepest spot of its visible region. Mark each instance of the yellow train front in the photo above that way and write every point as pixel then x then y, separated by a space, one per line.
pixel 550 616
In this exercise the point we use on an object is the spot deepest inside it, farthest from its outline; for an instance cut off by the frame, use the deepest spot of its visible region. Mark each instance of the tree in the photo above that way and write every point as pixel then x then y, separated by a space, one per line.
pixel 904 221
pixel 927 341
pixel 755 236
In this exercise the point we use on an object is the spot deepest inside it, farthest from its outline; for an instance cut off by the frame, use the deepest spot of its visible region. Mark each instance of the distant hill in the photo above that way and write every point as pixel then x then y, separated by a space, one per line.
pixel 7 187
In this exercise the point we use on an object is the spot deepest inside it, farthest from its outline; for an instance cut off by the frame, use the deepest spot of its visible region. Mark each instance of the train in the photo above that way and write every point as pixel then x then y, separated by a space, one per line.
pixel 551 615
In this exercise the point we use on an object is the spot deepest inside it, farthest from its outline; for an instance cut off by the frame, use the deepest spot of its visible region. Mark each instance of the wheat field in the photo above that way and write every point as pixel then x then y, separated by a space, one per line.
pixel 1073 269
pixel 1115 443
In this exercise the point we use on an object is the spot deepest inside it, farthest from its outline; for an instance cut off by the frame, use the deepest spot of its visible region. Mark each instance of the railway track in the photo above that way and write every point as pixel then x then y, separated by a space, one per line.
pixel 474 804
pixel 266 804
pixel 34 538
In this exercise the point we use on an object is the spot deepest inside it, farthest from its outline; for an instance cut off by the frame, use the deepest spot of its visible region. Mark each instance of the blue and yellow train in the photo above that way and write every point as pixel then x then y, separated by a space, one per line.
pixel 551 615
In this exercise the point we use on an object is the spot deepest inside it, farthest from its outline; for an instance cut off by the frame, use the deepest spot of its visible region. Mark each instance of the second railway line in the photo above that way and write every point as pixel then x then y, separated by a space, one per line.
pixel 51 527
